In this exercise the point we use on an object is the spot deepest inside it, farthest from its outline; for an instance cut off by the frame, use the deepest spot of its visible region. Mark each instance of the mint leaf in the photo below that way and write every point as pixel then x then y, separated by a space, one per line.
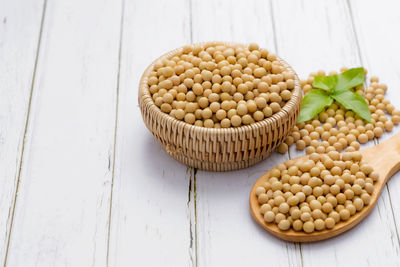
pixel 313 103
pixel 327 83
pixel 355 102
pixel 349 79
pixel 335 87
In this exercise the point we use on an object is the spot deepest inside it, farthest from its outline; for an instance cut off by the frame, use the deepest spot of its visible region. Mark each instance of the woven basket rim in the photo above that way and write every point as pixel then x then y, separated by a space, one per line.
pixel 145 96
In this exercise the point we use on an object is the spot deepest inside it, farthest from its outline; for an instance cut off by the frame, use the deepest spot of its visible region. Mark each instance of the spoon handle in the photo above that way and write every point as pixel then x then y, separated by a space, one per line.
pixel 384 157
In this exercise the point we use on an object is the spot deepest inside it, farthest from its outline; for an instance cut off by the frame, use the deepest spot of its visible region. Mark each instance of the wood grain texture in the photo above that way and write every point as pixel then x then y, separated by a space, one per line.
pixel 153 215
pixel 226 232
pixel 19 39
pixel 161 212
pixel 61 216
pixel 378 46
pixel 335 46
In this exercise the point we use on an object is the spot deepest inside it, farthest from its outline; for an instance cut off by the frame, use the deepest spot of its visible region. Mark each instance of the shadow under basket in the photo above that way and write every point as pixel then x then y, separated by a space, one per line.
pixel 218 149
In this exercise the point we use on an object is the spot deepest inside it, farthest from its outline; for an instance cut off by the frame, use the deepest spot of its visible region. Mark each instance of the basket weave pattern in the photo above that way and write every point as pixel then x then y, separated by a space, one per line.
pixel 218 149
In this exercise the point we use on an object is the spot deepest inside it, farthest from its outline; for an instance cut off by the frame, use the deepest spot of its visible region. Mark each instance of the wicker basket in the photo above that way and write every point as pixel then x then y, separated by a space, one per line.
pixel 218 149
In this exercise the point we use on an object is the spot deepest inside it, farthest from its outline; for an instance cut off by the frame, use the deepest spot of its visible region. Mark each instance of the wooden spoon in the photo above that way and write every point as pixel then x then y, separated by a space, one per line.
pixel 384 158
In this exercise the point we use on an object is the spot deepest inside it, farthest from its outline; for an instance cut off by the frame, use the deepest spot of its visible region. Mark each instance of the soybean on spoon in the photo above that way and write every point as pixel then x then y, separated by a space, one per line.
pixel 384 158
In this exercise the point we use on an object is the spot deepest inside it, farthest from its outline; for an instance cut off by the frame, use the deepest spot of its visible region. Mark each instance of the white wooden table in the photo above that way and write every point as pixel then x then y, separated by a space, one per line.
pixel 83 182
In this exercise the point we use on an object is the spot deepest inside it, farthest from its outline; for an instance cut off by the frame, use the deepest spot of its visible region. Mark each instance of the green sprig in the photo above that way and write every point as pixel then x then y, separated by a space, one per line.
pixel 335 87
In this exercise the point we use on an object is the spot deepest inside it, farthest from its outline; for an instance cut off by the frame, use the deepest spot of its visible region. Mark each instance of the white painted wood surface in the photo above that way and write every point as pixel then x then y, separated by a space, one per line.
pixel 337 46
pixel 82 181
pixel 223 203
pixel 152 210
pixel 18 49
pixel 62 208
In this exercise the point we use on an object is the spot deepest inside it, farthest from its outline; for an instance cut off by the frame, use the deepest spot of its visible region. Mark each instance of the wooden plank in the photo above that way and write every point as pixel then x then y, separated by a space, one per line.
pixel 226 231
pixel 320 36
pixel 152 220
pixel 19 37
pixel 378 49
pixel 62 210
pixel 311 39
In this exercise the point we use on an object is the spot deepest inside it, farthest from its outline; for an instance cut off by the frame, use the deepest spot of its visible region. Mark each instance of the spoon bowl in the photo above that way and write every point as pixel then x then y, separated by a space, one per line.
pixel 384 158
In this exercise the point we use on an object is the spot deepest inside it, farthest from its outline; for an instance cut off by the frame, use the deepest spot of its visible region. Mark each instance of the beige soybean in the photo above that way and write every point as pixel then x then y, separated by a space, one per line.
pixel 338 129
pixel 316 194
pixel 230 86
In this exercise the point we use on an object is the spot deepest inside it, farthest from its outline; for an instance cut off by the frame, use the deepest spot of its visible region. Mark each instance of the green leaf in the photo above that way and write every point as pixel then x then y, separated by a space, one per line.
pixel 335 87
pixel 349 79
pixel 327 83
pixel 355 102
pixel 313 103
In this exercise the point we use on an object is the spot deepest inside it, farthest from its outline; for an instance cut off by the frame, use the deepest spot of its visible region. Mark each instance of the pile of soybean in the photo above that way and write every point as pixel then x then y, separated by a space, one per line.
pixel 318 193
pixel 338 129
pixel 217 85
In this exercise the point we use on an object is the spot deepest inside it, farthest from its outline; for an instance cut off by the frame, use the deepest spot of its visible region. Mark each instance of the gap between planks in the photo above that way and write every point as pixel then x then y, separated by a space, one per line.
pixel 192 183
pixel 25 132
pixel 192 190
pixel 288 152
pixel 121 32
pixel 376 140
pixel 192 210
